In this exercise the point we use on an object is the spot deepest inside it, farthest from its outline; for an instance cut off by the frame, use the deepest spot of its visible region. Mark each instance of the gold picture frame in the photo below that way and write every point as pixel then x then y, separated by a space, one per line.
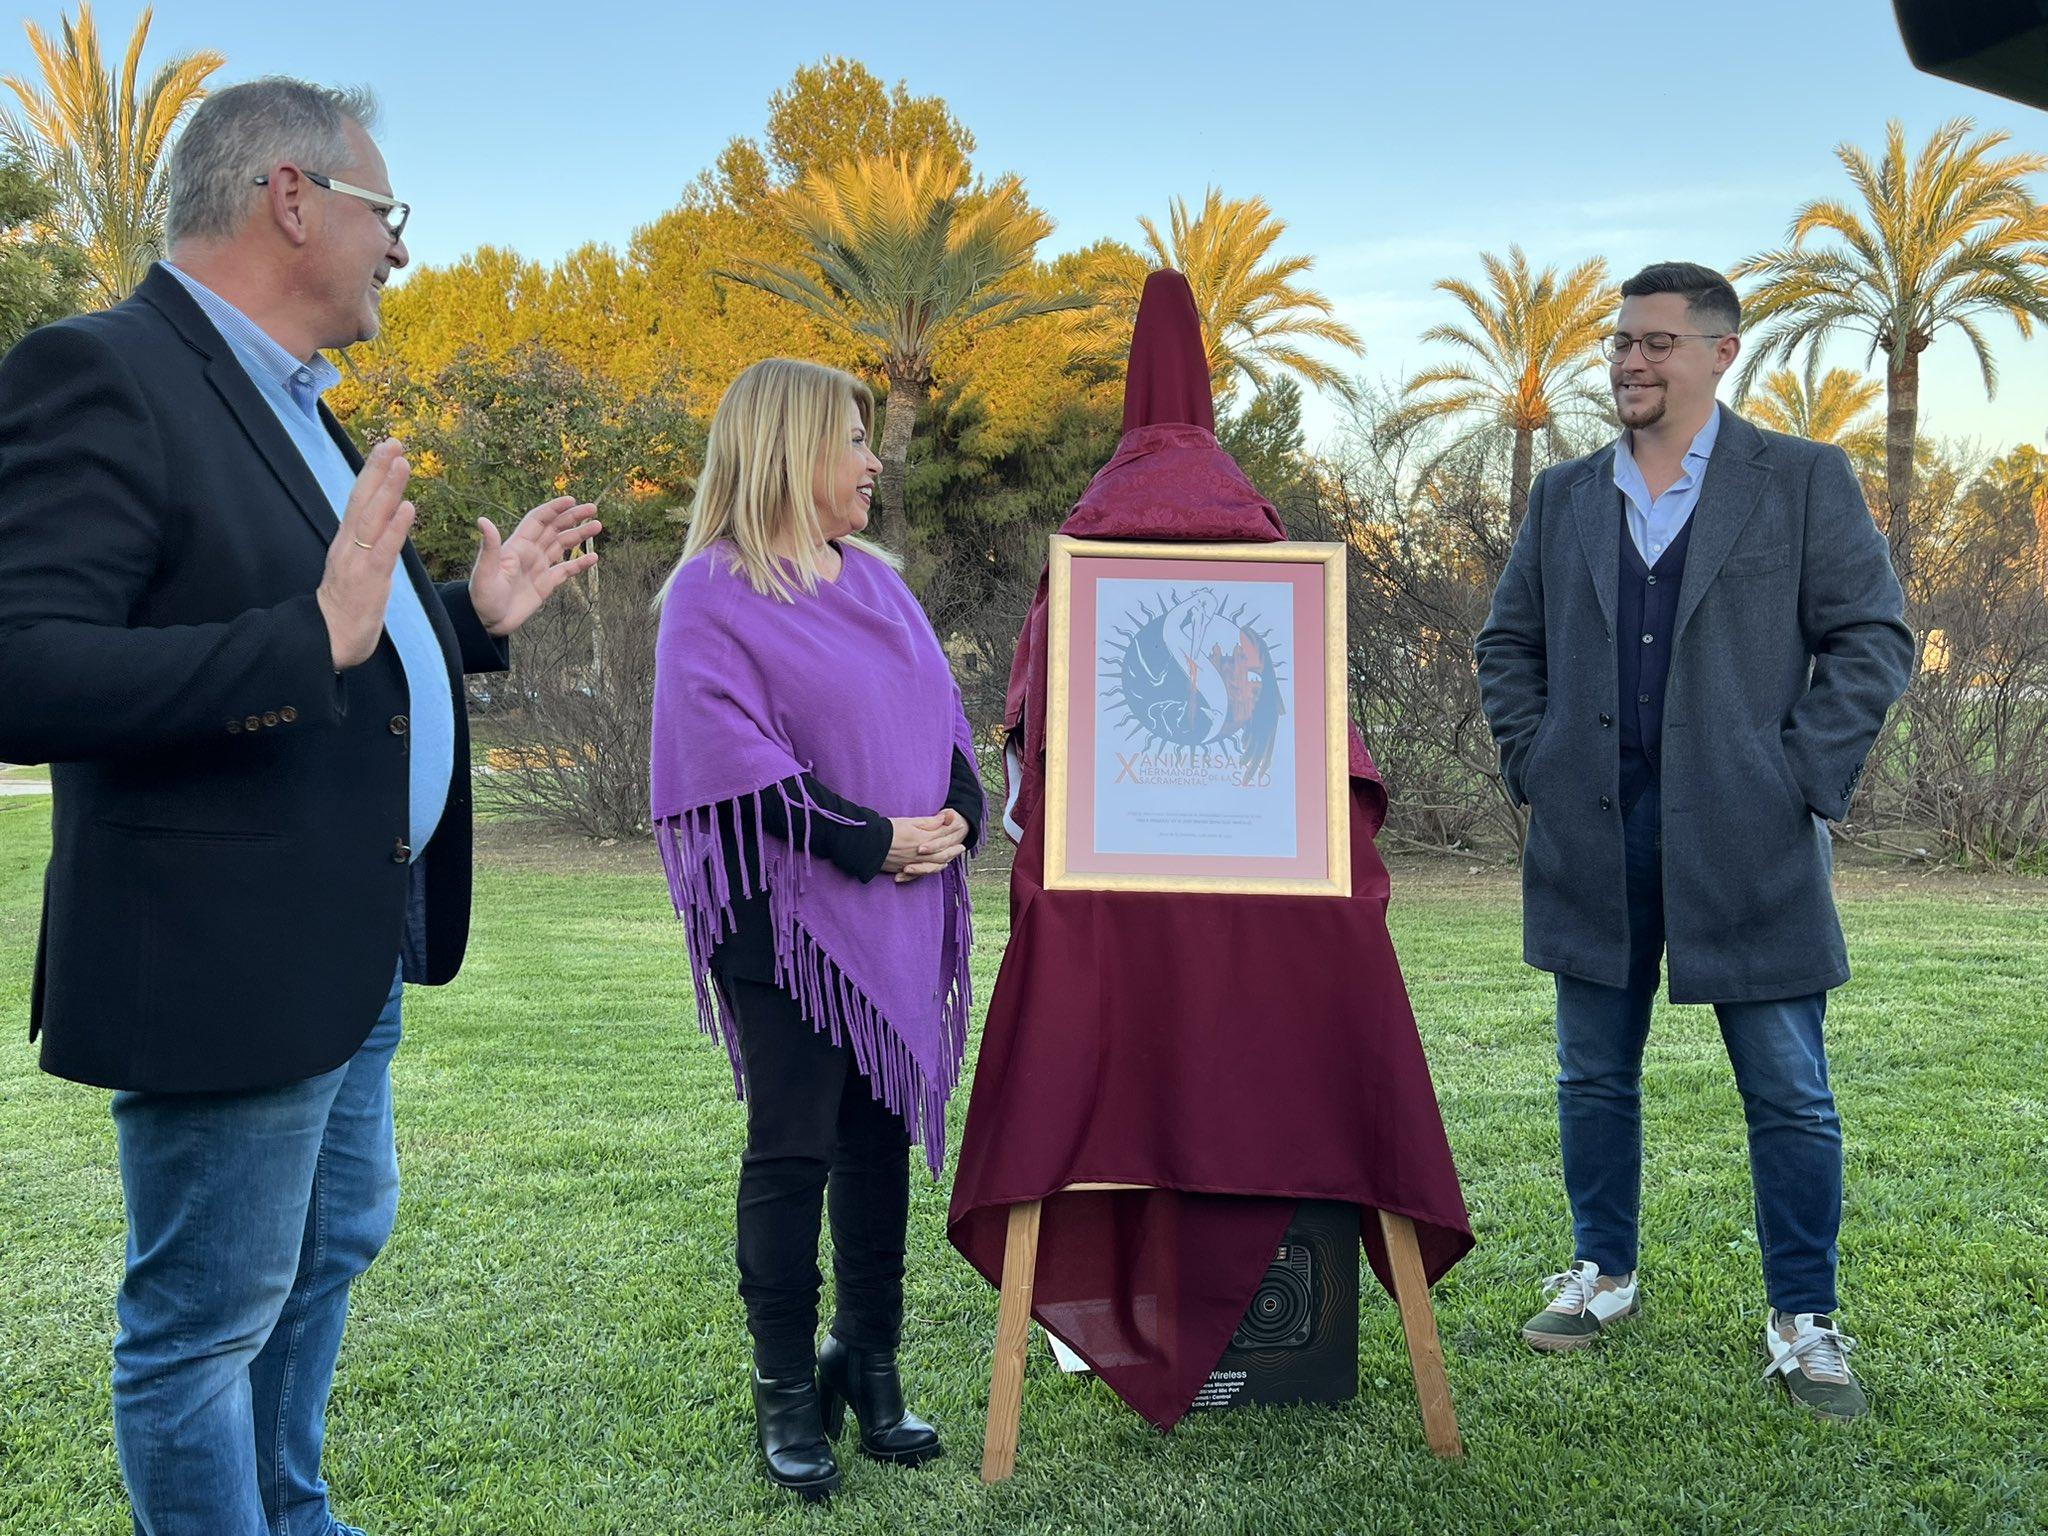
pixel 1320 785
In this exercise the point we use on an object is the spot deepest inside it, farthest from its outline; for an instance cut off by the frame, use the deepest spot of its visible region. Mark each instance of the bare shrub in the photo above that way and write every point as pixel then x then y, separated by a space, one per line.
pixel 1961 769
pixel 563 737
pixel 1427 535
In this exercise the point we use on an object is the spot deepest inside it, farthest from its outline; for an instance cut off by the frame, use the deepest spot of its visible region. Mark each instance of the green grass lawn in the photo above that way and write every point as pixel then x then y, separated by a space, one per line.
pixel 552 1342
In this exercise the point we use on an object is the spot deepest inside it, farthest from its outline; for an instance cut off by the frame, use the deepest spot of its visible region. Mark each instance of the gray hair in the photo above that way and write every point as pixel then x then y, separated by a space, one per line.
pixel 240 133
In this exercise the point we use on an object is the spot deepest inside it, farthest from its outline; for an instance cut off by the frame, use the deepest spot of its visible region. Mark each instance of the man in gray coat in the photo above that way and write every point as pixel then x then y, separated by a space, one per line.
pixel 1689 655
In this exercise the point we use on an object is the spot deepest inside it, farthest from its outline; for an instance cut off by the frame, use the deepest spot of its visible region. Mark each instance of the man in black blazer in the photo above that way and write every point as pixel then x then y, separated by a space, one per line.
pixel 214 630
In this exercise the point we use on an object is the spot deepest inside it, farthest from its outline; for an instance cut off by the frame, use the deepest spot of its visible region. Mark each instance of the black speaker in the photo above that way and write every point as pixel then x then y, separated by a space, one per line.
pixel 1999 46
pixel 1298 1342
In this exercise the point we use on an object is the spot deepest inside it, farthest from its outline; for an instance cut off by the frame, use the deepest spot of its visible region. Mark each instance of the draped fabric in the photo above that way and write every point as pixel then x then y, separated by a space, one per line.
pixel 848 683
pixel 1237 1053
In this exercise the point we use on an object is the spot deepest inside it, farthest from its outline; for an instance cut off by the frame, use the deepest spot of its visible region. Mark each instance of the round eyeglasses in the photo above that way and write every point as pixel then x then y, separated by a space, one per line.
pixel 1656 345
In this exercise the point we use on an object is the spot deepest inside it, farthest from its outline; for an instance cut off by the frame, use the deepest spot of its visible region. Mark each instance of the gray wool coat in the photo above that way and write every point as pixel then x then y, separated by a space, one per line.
pixel 1789 647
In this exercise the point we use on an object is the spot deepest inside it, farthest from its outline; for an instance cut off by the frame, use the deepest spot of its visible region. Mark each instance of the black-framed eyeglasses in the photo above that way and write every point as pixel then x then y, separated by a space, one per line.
pixel 1656 345
pixel 389 210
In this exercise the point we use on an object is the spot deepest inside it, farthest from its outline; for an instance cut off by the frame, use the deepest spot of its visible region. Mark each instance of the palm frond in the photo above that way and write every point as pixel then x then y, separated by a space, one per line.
pixel 101 139
pixel 1255 311
pixel 1533 337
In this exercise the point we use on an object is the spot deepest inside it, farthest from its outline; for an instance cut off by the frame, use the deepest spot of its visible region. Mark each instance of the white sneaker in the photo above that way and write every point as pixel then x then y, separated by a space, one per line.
pixel 1809 1354
pixel 1584 1302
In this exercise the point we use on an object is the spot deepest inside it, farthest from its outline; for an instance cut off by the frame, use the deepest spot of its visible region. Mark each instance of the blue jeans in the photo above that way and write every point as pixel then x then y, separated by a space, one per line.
pixel 1781 1068
pixel 249 1214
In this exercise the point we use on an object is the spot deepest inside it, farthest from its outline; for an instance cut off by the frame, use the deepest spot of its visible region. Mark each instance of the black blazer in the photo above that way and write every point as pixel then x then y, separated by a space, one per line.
pixel 228 884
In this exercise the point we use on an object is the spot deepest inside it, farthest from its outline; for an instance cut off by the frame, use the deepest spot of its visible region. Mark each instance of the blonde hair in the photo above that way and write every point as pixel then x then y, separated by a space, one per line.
pixel 777 422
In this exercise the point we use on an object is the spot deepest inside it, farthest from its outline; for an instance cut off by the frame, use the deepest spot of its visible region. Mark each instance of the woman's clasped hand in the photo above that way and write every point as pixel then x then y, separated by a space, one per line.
pixel 924 845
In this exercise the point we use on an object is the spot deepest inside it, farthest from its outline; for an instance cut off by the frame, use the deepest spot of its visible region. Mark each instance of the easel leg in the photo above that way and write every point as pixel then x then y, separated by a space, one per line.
pixel 1013 1336
pixel 1418 1322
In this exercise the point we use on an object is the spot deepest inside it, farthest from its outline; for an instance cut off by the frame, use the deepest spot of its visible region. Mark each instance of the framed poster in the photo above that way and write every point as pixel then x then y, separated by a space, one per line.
pixel 1195 720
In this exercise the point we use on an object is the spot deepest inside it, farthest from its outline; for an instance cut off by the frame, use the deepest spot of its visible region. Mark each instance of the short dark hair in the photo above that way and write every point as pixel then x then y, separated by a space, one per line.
pixel 1709 297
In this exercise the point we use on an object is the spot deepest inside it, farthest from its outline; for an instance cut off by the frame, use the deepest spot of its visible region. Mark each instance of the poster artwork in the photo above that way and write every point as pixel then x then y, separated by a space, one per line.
pixel 1194 747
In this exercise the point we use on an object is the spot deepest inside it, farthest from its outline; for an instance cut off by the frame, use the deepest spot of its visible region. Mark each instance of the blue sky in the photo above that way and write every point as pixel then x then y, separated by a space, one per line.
pixel 1396 141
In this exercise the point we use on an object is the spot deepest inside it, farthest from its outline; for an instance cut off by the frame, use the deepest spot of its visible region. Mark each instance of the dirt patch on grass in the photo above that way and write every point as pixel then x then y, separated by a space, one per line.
pixel 528 847
pixel 525 846
pixel 1856 880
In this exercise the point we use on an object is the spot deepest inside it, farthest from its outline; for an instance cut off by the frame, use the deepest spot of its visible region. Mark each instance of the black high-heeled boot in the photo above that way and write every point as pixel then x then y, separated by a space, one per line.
pixel 791 1431
pixel 867 1380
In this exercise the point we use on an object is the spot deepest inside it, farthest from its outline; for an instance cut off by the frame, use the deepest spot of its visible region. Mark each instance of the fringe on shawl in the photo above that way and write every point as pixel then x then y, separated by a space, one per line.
pixel 700 884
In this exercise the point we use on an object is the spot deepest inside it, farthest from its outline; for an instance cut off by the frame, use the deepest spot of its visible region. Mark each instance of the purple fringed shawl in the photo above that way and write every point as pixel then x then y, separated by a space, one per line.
pixel 850 684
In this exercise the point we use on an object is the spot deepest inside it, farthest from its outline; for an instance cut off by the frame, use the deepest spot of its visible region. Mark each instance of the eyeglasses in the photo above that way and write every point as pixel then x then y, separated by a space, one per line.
pixel 390 212
pixel 1656 345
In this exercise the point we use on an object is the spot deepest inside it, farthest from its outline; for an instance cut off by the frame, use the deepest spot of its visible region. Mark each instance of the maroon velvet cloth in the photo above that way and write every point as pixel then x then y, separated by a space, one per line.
pixel 1168 377
pixel 1239 1053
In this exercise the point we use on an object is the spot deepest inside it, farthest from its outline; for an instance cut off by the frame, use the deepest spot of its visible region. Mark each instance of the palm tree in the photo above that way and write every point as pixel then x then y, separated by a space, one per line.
pixel 907 255
pixel 101 145
pixel 1946 238
pixel 1525 355
pixel 1255 315
pixel 1834 407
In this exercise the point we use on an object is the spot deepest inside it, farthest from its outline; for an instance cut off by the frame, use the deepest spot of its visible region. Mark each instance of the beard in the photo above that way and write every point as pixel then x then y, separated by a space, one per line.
pixel 1646 412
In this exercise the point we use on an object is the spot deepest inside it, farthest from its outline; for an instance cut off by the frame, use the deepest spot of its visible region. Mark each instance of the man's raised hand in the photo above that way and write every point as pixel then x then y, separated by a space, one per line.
pixel 514 575
pixel 356 587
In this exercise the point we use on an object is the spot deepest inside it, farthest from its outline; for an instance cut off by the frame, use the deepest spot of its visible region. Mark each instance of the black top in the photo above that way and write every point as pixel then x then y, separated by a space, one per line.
pixel 748 952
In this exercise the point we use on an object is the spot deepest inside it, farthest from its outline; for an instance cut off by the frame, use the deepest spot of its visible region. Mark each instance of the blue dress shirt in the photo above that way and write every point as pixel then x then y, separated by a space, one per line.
pixel 1653 522
pixel 292 389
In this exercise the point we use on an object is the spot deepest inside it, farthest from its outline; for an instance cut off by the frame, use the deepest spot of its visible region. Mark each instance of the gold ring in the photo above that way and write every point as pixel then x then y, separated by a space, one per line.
pixel 359 544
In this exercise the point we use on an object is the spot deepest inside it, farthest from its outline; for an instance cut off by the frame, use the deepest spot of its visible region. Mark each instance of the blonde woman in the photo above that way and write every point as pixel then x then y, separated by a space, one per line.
pixel 815 795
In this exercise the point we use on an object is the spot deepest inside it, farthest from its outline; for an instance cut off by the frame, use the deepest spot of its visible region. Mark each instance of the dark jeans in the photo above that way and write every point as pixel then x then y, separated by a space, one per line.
pixel 816 1135
pixel 1795 1138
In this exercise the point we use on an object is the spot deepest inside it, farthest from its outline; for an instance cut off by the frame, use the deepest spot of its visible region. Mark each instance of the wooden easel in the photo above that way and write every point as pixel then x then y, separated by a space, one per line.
pixel 1013 1334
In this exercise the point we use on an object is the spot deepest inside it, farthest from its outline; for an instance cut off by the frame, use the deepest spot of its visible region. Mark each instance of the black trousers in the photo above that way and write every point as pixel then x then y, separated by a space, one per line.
pixel 816 1137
